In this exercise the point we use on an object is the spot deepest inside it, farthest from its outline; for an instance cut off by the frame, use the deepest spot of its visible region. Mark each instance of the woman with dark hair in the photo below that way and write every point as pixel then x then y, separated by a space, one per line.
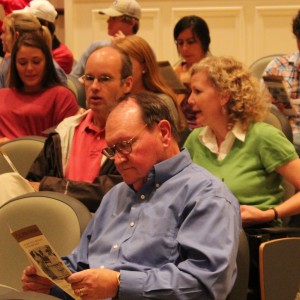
pixel 49 78
pixel 36 99
pixel 192 38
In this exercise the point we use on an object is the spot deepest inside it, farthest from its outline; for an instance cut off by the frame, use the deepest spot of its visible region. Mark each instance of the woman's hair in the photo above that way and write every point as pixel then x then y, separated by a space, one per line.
pixel 199 28
pixel 296 25
pixel 137 48
pixel 248 101
pixel 31 39
pixel 21 23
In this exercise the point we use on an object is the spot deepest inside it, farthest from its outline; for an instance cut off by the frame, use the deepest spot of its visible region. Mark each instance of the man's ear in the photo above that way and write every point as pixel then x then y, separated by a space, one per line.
pixel 127 84
pixel 165 132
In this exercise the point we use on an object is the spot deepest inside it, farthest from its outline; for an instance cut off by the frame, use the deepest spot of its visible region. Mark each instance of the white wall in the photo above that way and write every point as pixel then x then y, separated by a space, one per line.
pixel 246 29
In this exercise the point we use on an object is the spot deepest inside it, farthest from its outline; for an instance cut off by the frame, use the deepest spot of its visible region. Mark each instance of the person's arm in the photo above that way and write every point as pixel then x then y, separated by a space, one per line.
pixel 291 172
pixel 90 194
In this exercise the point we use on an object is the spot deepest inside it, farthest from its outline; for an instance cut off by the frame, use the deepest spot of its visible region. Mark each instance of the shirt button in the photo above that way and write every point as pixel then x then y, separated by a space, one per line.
pixel 131 224
pixel 143 197
pixel 115 246
pixel 157 185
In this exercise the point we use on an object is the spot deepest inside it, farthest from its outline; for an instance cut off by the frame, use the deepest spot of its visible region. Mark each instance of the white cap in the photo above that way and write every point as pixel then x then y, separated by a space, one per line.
pixel 123 7
pixel 41 9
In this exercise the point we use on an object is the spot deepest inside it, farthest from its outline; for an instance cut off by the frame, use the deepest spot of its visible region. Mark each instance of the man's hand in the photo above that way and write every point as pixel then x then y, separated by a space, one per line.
pixel 35 283
pixel 118 36
pixel 95 283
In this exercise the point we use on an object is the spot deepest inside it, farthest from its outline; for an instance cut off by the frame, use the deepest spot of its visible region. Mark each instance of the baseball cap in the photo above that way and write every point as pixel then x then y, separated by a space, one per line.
pixel 41 9
pixel 123 7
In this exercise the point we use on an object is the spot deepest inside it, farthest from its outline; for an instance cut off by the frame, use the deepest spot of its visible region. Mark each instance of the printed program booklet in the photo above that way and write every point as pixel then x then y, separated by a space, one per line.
pixel 277 88
pixel 40 253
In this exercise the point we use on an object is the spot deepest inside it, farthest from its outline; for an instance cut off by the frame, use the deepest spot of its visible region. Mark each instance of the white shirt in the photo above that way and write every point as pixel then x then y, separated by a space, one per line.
pixel 208 139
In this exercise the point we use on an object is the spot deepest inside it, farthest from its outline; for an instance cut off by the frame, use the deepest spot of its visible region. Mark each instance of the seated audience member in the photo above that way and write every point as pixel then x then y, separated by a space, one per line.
pixel 288 67
pixel 141 242
pixel 36 100
pixel 7 7
pixel 71 161
pixel 123 20
pixel 192 38
pixel 14 26
pixel 47 14
pixel 250 156
pixel 146 75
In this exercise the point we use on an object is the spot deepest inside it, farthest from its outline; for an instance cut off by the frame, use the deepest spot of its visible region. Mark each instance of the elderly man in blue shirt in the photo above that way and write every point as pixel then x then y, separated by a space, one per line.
pixel 169 231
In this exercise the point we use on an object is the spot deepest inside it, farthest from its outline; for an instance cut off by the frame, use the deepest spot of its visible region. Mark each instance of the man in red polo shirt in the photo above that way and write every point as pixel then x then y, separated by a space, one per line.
pixel 71 161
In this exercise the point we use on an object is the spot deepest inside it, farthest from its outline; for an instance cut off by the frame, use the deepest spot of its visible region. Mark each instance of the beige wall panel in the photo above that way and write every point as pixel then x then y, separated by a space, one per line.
pixel 246 29
pixel 89 26
pixel 273 30
pixel 151 29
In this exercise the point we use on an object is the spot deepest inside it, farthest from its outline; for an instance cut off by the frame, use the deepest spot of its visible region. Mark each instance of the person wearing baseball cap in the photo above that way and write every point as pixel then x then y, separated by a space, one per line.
pixel 126 11
pixel 123 19
pixel 46 13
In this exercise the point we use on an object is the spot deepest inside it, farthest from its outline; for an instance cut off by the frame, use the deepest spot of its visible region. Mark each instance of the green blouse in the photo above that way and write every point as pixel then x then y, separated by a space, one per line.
pixel 249 169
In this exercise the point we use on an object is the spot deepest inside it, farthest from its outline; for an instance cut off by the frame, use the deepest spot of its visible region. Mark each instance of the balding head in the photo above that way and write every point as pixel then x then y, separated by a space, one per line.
pixel 108 77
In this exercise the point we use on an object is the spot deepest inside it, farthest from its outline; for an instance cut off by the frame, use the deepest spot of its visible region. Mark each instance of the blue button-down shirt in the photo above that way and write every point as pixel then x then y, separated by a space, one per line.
pixel 176 238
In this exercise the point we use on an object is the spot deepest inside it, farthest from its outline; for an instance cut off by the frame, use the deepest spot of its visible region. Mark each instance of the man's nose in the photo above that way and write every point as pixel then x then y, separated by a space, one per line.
pixel 119 158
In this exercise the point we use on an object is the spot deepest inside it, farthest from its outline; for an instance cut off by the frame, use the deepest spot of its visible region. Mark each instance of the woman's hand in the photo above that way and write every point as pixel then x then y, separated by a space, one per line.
pixel 252 215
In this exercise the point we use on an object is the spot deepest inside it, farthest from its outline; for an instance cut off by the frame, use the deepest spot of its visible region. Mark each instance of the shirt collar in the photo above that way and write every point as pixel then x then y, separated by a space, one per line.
pixel 88 125
pixel 294 59
pixel 208 139
pixel 237 131
pixel 165 170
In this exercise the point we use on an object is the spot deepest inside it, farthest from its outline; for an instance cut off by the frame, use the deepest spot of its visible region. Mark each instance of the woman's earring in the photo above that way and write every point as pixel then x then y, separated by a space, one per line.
pixel 224 110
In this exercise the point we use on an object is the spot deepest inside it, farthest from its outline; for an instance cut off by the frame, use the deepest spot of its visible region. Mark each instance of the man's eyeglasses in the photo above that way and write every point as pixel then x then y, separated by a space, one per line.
pixel 124 147
pixel 103 79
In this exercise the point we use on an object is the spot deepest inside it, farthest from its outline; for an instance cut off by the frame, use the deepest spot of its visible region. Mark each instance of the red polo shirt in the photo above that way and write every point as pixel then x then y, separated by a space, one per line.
pixel 85 157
